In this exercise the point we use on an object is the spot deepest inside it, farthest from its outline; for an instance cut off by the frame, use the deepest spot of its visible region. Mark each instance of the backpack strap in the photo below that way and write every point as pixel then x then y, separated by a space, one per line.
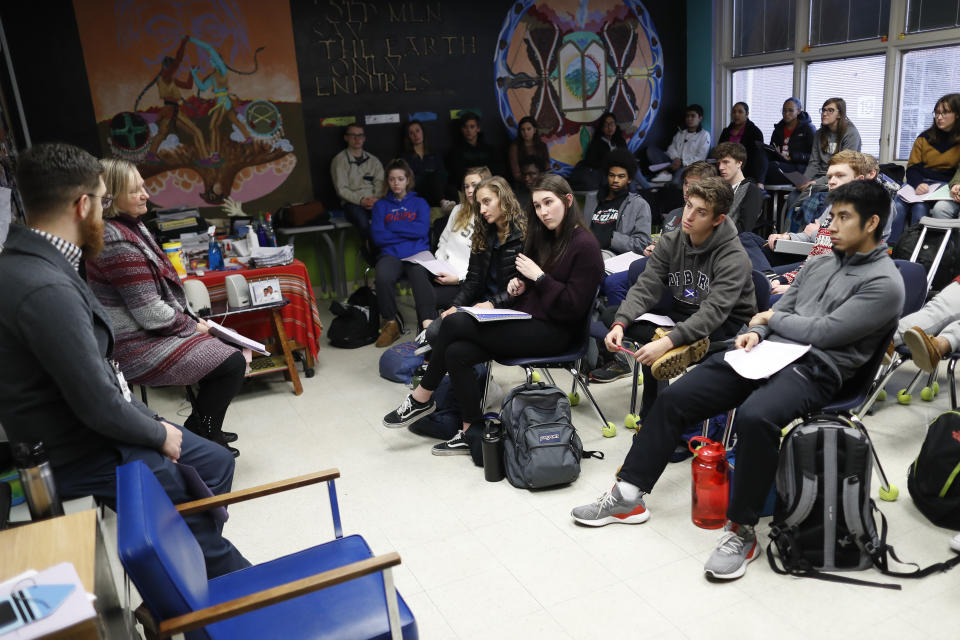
pixel 796 565
pixel 881 562
pixel 593 454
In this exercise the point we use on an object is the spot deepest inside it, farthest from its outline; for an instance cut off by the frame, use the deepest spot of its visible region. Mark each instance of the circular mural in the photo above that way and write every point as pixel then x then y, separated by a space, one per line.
pixel 565 62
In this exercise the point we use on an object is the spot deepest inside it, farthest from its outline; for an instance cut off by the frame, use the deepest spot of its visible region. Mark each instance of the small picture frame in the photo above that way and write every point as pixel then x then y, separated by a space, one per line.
pixel 266 291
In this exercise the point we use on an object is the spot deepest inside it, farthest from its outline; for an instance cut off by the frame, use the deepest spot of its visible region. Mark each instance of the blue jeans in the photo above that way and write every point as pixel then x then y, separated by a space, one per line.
pixel 908 214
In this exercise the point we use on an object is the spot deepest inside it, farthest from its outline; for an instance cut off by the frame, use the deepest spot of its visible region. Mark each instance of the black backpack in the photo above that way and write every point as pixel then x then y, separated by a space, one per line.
pixel 356 323
pixel 934 477
pixel 949 265
pixel 824 519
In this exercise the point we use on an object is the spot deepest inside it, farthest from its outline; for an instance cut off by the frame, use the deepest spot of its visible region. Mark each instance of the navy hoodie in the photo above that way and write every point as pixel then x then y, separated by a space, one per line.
pixel 401 228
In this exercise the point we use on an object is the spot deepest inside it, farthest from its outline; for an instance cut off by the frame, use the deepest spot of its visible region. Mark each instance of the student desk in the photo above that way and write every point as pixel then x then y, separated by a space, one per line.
pixel 338 268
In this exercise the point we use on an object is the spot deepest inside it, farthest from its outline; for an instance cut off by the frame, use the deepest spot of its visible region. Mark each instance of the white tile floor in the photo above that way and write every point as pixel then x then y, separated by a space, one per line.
pixel 484 560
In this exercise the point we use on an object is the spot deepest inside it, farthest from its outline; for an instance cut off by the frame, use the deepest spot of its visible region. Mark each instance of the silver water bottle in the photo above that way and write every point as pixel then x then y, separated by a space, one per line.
pixel 36 477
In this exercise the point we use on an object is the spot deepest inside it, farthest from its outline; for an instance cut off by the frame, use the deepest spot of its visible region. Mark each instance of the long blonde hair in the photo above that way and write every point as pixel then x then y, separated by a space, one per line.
pixel 466 213
pixel 512 212
pixel 117 174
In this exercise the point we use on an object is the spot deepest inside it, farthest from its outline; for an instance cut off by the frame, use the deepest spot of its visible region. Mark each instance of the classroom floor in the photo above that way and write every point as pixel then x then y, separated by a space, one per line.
pixel 485 560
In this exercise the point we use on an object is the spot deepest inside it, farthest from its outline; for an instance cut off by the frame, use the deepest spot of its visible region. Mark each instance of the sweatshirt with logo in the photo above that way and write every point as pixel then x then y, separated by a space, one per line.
pixel 401 228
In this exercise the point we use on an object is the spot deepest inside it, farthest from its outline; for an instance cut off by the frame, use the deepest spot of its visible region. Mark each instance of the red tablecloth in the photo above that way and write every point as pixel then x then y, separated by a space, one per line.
pixel 301 320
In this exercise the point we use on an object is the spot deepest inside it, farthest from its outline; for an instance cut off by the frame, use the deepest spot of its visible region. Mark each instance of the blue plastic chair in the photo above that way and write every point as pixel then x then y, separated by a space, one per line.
pixel 336 590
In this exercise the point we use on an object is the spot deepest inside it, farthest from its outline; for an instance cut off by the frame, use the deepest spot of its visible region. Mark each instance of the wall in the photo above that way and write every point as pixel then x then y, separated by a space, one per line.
pixel 699 34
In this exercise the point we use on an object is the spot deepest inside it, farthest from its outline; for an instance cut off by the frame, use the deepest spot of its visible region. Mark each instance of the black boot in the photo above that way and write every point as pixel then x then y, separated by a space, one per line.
pixel 215 434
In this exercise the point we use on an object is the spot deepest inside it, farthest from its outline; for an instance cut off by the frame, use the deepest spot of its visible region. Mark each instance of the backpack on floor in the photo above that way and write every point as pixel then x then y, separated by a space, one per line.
pixel 541 446
pixel 356 323
pixel 399 362
pixel 934 477
pixel 949 265
pixel 824 515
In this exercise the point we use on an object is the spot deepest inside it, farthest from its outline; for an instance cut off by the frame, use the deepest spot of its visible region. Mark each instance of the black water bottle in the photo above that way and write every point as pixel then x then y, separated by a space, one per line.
pixel 493 450
pixel 36 477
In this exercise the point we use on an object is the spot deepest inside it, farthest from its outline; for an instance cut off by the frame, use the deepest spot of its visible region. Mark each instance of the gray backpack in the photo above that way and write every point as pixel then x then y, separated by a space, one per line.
pixel 541 447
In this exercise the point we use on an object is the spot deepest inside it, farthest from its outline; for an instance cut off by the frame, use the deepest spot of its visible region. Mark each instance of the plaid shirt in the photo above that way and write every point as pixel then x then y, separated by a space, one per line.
pixel 69 250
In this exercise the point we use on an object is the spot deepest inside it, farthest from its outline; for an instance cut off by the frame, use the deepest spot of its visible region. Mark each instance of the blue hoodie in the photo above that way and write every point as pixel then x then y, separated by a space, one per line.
pixel 401 228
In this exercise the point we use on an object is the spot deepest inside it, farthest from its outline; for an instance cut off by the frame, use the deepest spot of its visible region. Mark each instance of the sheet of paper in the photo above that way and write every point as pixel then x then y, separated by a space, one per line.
pixel 620 263
pixel 229 335
pixel 426 260
pixel 657 319
pixel 941 192
pixel 480 313
pixel 660 166
pixel 793 247
pixel 76 608
pixel 908 194
pixel 795 177
pixel 765 359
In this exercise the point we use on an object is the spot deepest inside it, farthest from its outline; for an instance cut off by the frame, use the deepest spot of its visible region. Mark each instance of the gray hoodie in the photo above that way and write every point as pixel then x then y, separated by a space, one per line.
pixel 633 224
pixel 843 306
pixel 712 282
pixel 820 160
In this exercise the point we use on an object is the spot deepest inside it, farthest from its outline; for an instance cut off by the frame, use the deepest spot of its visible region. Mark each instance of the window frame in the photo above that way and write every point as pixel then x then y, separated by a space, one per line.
pixel 801 56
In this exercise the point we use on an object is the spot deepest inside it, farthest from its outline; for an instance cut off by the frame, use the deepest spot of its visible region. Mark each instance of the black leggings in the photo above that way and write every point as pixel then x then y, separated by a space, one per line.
pixel 389 270
pixel 464 342
pixel 218 388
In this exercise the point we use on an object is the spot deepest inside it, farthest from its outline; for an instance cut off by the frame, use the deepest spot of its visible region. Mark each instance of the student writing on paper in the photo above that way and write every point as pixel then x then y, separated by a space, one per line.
pixel 700 277
pixel 845 307
pixel 158 343
pixel 934 158
pixel 59 383
pixel 559 273
pixel 400 228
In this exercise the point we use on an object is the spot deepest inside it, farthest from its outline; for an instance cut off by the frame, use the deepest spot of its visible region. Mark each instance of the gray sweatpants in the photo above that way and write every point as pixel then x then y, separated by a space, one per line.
pixel 939 317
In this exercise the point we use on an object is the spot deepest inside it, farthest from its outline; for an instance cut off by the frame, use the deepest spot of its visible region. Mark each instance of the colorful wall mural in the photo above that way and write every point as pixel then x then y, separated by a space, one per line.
pixel 202 95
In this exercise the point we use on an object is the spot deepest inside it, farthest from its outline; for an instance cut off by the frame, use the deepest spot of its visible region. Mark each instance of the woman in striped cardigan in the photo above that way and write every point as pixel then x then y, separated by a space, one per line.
pixel 157 342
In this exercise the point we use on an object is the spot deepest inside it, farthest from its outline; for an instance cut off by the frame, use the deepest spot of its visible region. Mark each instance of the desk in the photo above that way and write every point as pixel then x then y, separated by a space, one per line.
pixel 338 265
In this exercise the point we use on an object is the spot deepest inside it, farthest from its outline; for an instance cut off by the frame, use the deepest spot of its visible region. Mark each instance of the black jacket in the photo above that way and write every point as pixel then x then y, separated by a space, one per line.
pixel 474 287
pixel 752 140
pixel 801 140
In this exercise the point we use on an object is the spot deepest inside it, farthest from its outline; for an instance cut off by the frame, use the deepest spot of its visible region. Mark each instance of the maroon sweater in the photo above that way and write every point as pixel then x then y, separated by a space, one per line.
pixel 565 292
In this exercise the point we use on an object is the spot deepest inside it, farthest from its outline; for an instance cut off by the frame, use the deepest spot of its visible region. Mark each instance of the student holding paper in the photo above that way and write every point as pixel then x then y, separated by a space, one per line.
pixel 158 343
pixel 844 307
pixel 933 160
pixel 792 137
pixel 558 275
pixel 400 228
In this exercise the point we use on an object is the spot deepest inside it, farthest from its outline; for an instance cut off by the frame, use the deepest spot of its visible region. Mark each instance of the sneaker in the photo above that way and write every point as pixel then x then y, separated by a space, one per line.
pixel 389 334
pixel 923 349
pixel 609 508
pixel 408 412
pixel 674 362
pixel 955 543
pixel 614 371
pixel 663 176
pixel 422 349
pixel 455 446
pixel 736 548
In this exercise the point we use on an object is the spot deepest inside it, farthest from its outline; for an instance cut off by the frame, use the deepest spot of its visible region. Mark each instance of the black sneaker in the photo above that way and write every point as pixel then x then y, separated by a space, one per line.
pixel 408 412
pixel 613 371
pixel 455 446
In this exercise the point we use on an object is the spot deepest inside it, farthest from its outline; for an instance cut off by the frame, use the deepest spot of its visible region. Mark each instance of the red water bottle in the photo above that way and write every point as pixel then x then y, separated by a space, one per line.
pixel 711 483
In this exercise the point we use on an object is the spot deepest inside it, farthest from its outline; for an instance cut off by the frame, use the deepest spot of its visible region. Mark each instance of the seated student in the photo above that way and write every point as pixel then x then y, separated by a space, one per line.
pixel 427 166
pixel 527 144
pixel 471 151
pixel 793 138
pixel 708 274
pixel 559 272
pixel 457 239
pixel 694 172
pixel 843 306
pixel 358 179
pixel 618 218
pixel 742 130
pixel 58 383
pixel 400 228
pixel 934 330
pixel 747 196
pixel 158 341
pixel 690 144
pixel 531 168
pixel 934 158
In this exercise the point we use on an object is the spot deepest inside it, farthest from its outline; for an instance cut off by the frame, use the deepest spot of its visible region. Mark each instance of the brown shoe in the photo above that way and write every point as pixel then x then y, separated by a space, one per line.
pixel 674 362
pixel 924 350
pixel 388 334
pixel 888 356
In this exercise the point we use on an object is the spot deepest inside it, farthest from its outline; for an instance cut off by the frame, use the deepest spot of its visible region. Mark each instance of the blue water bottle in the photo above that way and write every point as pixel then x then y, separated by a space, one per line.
pixel 214 254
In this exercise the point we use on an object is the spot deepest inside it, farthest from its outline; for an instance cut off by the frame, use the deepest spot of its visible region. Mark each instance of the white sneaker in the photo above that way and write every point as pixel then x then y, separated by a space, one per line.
pixel 663 176
pixel 955 543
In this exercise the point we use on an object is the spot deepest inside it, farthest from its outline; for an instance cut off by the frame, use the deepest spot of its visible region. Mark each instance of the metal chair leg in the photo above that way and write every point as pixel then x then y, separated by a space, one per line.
pixel 884 483
pixel 952 381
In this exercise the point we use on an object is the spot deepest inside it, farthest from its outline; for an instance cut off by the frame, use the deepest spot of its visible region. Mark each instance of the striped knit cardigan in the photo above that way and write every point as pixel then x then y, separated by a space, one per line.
pixel 157 344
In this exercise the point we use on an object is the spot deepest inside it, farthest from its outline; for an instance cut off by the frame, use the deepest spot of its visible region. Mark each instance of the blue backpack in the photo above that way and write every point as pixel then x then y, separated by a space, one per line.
pixel 399 362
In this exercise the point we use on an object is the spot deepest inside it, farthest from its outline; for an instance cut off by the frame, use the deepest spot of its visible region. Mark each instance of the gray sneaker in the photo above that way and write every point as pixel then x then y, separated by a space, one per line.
pixel 736 548
pixel 609 508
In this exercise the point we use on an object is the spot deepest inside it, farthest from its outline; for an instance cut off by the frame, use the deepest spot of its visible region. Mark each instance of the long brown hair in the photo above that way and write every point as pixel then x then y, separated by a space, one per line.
pixel 543 246
pixel 842 122
pixel 934 135
pixel 509 207
pixel 467 212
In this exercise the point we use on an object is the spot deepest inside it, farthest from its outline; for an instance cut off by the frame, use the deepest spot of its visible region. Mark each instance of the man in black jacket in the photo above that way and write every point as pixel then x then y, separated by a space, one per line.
pixel 58 384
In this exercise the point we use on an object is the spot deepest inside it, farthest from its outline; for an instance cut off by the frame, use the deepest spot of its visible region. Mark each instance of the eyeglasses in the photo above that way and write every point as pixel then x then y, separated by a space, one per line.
pixel 828 110
pixel 356 135
pixel 106 199
pixel 941 114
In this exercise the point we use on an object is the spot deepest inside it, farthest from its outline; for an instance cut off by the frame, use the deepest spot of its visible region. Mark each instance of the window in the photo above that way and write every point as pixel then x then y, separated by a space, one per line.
pixel 927 15
pixel 925 77
pixel 859 81
pixel 835 21
pixel 763 26
pixel 764 89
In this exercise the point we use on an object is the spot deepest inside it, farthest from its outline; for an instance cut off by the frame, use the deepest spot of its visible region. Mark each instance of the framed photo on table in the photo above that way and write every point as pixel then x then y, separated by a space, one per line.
pixel 265 291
